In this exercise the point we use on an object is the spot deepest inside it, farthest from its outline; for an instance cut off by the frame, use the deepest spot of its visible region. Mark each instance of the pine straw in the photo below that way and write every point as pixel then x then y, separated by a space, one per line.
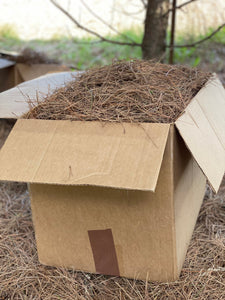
pixel 134 91
pixel 29 56
pixel 22 277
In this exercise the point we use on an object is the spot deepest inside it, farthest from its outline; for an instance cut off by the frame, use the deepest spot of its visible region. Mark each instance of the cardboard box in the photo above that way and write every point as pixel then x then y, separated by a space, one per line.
pixel 12 74
pixel 119 199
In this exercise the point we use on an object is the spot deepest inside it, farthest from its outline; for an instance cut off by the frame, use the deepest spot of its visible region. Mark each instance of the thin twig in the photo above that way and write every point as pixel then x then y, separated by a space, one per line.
pixel 179 6
pixel 144 3
pixel 87 42
pixel 105 23
pixel 199 41
pixel 103 39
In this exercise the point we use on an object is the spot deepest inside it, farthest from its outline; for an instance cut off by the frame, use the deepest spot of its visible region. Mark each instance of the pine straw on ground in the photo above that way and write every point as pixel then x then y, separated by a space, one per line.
pixel 126 91
pixel 22 277
pixel 29 56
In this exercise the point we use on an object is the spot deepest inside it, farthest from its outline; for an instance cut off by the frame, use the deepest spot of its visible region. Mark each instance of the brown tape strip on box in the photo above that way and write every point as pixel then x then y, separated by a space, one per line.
pixel 104 252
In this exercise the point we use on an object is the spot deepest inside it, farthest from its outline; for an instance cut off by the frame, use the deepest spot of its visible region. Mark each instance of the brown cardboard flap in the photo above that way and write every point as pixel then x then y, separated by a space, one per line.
pixel 14 102
pixel 5 63
pixel 202 127
pixel 116 155
pixel 29 72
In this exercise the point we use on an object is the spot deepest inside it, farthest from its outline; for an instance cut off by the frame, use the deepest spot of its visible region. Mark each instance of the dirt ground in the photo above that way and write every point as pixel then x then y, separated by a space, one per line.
pixel 23 277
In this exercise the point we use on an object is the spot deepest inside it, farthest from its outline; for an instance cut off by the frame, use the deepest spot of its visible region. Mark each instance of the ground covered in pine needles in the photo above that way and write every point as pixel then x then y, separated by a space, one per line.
pixel 125 91
pixel 22 277
pixel 29 56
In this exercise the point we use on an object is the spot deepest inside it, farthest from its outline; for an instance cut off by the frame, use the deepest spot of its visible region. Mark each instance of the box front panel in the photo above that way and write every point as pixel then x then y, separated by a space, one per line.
pixel 131 228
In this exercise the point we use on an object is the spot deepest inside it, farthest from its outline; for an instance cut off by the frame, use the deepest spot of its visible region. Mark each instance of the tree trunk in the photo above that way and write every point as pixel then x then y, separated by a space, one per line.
pixel 156 22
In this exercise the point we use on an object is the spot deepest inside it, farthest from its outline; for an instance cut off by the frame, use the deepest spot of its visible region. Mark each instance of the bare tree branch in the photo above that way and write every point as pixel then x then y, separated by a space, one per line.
pixel 144 2
pixel 132 14
pixel 199 41
pixel 185 3
pixel 103 39
pixel 105 23
pixel 180 6
pixel 87 42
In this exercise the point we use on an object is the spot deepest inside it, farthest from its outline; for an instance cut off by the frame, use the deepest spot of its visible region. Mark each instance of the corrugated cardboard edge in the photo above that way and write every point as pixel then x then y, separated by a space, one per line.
pixel 203 131
pixel 171 187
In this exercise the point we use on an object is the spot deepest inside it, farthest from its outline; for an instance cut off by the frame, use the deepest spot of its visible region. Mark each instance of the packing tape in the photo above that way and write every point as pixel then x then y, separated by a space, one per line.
pixel 104 252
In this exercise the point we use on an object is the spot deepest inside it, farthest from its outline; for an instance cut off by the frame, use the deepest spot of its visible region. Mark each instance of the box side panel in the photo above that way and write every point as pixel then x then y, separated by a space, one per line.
pixel 139 224
pixel 189 189
pixel 6 78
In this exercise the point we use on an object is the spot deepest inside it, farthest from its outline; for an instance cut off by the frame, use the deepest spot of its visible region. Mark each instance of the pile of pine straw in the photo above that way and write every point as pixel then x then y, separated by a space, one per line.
pixel 29 56
pixel 126 91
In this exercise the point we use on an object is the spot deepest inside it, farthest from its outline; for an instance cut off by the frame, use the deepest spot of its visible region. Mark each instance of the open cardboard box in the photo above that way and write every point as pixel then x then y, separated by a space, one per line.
pixel 12 74
pixel 117 199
